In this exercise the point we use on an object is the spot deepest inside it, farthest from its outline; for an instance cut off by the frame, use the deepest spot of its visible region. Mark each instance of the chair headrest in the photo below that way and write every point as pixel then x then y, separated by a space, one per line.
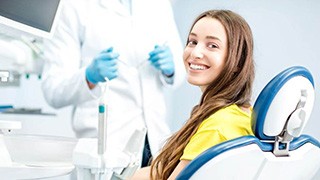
pixel 285 102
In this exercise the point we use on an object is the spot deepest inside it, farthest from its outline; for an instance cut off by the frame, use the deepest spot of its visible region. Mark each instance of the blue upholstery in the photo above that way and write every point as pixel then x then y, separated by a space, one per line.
pixel 266 96
pixel 260 108
pixel 214 151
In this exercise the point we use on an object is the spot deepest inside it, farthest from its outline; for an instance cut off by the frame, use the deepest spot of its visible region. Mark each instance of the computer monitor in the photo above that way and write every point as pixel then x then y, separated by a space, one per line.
pixel 35 17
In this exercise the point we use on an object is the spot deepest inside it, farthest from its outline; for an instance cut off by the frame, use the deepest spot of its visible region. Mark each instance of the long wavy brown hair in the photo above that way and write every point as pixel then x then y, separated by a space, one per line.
pixel 232 86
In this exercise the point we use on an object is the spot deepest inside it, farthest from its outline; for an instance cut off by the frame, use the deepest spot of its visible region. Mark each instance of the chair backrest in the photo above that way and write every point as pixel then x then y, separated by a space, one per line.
pixel 278 150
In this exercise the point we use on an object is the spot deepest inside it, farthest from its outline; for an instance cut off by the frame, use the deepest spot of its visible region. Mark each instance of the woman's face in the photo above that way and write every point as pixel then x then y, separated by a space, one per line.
pixel 205 54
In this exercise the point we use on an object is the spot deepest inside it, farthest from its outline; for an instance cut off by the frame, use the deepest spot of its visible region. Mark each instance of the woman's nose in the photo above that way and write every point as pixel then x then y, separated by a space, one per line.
pixel 197 52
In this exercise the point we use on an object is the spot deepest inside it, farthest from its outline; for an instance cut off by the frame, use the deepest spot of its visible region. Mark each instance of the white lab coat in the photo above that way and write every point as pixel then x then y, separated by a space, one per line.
pixel 136 97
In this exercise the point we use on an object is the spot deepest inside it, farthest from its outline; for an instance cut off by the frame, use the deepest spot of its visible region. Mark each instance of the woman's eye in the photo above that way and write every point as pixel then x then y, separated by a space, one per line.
pixel 213 46
pixel 192 43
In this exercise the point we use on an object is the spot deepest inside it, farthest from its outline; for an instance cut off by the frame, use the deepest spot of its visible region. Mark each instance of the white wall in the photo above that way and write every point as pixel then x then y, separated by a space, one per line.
pixel 286 33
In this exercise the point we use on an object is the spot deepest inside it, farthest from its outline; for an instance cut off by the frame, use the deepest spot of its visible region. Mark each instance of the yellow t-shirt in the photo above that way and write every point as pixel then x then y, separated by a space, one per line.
pixel 225 124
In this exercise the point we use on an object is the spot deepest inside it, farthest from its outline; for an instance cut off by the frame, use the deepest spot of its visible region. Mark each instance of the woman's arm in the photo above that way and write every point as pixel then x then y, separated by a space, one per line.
pixel 178 169
pixel 142 174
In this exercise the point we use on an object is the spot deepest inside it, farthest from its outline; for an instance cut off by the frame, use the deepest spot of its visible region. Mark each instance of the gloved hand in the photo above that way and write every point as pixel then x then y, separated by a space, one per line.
pixel 103 65
pixel 162 59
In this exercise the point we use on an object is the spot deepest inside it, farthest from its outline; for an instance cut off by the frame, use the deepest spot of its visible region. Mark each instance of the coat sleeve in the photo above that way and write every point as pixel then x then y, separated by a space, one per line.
pixel 175 44
pixel 63 78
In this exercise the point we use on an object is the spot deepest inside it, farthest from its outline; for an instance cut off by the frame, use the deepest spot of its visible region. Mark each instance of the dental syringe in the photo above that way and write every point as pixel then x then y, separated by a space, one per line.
pixel 102 121
pixel 102 129
pixel 102 132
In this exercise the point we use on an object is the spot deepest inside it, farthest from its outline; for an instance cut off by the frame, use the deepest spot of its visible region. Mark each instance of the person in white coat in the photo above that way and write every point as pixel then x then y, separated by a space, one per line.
pixel 133 43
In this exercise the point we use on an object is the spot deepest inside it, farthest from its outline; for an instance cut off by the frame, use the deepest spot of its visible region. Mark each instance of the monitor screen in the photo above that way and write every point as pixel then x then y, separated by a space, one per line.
pixel 32 16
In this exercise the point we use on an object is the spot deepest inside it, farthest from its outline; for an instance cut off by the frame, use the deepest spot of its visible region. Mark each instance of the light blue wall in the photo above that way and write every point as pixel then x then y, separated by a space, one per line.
pixel 286 33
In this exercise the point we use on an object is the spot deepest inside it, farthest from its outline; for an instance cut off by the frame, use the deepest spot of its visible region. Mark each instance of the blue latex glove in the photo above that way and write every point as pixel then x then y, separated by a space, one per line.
pixel 162 59
pixel 104 65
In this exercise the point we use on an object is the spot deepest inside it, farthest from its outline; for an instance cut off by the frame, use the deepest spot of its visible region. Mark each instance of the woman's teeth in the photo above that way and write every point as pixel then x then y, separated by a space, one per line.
pixel 197 67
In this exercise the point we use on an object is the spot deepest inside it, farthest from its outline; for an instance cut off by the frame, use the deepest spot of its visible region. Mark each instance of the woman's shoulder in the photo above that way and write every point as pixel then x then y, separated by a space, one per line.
pixel 230 121
pixel 230 113
pixel 233 110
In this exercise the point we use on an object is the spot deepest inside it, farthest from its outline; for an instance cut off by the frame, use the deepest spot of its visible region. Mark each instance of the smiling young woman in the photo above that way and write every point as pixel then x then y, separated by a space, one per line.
pixel 206 51
pixel 218 58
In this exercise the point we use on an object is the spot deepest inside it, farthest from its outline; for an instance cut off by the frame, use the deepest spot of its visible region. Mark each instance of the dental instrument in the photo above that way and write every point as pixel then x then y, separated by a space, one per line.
pixel 142 63
pixel 102 127
pixel 103 111
pixel 90 158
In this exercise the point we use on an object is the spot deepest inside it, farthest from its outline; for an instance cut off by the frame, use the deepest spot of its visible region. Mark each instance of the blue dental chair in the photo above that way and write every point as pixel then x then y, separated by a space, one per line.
pixel 278 150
